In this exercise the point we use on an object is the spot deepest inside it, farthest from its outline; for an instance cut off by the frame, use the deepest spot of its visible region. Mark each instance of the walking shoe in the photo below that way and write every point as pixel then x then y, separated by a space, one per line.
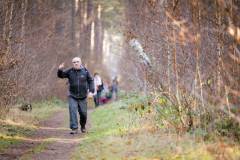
pixel 74 131
pixel 83 129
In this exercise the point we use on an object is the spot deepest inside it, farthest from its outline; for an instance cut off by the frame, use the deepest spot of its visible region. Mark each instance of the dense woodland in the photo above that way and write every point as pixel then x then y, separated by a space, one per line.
pixel 36 36
pixel 187 51
pixel 193 47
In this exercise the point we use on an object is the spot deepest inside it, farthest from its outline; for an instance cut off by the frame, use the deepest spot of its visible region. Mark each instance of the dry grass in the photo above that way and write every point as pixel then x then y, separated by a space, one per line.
pixel 118 133
pixel 18 125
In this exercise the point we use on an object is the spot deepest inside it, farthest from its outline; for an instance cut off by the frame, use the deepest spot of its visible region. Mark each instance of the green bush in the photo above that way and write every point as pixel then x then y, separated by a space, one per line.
pixel 229 128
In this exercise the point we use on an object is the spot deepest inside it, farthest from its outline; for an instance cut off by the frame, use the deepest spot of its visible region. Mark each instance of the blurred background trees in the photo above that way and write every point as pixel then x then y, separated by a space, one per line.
pixel 194 47
pixel 36 36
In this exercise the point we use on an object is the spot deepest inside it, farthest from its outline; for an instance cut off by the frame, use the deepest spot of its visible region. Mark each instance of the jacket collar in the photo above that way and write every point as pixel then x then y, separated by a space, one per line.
pixel 81 67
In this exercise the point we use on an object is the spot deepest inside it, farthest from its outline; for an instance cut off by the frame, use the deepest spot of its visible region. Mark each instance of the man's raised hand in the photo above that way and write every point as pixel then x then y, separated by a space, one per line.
pixel 61 66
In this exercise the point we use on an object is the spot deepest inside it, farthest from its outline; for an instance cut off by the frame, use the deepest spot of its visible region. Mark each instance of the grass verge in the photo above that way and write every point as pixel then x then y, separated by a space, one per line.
pixel 22 124
pixel 37 149
pixel 119 132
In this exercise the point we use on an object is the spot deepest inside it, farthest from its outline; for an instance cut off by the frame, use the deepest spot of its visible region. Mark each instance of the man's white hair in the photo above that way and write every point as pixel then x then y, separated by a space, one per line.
pixel 76 59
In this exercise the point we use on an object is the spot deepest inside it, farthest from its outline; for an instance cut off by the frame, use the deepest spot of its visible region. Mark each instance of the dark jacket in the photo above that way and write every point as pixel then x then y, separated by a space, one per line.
pixel 79 82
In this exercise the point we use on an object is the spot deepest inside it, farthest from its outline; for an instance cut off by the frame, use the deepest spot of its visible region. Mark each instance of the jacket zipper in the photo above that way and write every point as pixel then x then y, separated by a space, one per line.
pixel 78 83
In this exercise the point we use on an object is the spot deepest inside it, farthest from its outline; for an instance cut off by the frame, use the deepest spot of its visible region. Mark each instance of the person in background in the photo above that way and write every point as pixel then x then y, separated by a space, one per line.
pixel 115 88
pixel 80 82
pixel 105 94
pixel 108 91
pixel 98 89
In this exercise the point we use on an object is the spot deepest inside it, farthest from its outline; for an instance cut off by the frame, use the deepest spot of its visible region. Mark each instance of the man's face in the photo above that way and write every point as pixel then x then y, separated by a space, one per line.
pixel 76 63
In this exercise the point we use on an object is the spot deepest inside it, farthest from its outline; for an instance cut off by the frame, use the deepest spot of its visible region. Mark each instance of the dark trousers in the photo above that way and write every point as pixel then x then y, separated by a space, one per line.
pixel 80 106
pixel 97 98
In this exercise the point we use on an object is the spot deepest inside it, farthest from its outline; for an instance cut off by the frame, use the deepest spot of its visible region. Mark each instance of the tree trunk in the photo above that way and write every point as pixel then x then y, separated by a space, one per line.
pixel 73 22
pixel 98 36
pixel 8 32
pixel 87 31
pixel 24 10
pixel 82 19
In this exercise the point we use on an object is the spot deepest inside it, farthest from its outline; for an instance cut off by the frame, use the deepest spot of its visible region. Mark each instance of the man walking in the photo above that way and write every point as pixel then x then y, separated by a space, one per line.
pixel 80 82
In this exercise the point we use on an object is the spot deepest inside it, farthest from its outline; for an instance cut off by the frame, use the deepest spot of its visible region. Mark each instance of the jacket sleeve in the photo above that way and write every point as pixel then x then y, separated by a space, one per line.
pixel 90 82
pixel 62 74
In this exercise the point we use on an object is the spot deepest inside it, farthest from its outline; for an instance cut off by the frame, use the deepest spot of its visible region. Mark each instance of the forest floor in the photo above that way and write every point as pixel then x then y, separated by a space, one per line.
pixel 51 140
pixel 116 133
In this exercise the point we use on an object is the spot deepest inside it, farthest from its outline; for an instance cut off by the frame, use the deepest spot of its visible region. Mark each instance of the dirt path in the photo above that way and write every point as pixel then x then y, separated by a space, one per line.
pixel 51 141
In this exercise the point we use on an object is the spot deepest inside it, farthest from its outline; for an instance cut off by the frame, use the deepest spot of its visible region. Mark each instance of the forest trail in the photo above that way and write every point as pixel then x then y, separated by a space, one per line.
pixel 50 141
pixel 118 131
